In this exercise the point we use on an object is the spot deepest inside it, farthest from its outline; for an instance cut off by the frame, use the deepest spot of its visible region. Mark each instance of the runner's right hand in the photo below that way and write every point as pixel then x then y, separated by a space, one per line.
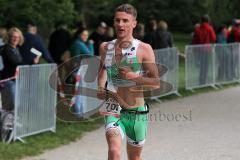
pixel 101 93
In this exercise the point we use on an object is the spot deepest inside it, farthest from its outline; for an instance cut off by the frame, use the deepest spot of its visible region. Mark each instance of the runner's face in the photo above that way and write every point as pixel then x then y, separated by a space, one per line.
pixel 124 24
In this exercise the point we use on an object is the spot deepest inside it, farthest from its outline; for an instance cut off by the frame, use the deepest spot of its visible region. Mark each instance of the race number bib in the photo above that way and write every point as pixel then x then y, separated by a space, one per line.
pixel 110 107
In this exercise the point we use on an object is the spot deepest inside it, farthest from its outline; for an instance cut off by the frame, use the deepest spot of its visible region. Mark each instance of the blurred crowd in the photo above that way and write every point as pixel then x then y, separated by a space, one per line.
pixel 17 48
pixel 227 56
pixel 64 43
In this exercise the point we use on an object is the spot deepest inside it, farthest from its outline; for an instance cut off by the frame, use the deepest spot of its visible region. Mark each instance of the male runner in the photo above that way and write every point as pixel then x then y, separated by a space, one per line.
pixel 121 62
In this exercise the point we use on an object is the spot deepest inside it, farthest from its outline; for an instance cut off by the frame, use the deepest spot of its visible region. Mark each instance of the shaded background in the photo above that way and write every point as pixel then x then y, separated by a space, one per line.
pixel 181 15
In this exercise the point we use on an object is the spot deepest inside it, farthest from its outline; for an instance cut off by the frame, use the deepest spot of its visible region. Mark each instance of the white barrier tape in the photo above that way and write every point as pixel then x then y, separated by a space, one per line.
pixel 61 92
pixel 78 79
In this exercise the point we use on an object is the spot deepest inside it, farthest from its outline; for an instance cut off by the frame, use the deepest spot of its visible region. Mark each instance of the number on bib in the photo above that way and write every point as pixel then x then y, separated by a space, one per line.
pixel 110 107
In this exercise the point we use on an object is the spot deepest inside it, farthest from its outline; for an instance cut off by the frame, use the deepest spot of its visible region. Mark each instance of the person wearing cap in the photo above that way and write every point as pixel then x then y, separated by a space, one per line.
pixel 99 36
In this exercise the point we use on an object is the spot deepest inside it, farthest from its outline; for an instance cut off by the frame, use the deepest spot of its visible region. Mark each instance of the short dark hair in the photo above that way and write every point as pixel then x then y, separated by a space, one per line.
pixel 205 18
pixel 78 32
pixel 128 8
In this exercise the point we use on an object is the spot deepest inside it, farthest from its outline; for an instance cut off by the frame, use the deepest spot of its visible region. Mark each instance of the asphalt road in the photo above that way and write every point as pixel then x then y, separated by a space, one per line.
pixel 200 127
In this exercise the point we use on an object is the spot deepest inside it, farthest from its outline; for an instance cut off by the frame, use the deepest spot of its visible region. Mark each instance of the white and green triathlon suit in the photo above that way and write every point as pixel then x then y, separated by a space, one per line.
pixel 132 122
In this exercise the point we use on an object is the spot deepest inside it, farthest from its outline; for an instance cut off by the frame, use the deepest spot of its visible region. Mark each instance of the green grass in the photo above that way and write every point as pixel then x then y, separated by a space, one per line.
pixel 181 40
pixel 67 132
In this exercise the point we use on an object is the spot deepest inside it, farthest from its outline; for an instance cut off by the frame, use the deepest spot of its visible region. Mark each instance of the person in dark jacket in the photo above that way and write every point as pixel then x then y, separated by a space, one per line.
pixel 150 35
pixel 59 42
pixel 110 34
pixel 33 41
pixel 11 59
pixel 98 37
pixel 139 31
pixel 234 37
pixel 164 38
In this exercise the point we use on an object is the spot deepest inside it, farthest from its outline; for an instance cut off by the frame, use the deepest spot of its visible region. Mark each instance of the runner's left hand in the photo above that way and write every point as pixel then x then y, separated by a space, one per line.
pixel 126 73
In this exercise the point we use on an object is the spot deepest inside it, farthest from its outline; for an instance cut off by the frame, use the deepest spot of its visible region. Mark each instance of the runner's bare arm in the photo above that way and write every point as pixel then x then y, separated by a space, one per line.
pixel 102 74
pixel 151 79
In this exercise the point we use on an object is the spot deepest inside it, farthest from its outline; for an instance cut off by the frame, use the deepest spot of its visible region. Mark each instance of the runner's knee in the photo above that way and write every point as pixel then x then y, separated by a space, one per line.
pixel 136 143
pixel 113 132
pixel 114 153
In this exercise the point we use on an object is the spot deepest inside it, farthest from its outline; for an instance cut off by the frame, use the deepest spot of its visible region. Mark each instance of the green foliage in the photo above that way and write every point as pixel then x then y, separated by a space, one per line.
pixel 43 12
pixel 222 11
pixel 94 11
pixel 181 40
pixel 181 15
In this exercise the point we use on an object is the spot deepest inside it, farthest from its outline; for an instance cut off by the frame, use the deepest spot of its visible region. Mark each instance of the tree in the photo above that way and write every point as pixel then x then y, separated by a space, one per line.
pixel 44 12
pixel 181 15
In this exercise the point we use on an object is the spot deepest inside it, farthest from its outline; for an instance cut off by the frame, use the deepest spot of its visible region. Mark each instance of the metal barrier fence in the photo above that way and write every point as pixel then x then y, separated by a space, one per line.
pixel 227 63
pixel 170 59
pixel 210 65
pixel 199 68
pixel 35 101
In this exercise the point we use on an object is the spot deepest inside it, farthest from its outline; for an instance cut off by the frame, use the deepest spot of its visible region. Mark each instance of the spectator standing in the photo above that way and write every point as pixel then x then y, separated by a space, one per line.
pixel 222 54
pixel 81 45
pixel 139 32
pixel 234 36
pixel 32 40
pixel 59 42
pixel 164 38
pixel 110 35
pixel 192 33
pixel 204 34
pixel 3 36
pixel 99 36
pixel 11 59
pixel 222 34
pixel 150 36
pixel 234 33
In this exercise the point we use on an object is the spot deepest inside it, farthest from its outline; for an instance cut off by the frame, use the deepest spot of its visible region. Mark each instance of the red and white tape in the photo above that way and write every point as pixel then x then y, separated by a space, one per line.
pixel 11 78
pixel 61 90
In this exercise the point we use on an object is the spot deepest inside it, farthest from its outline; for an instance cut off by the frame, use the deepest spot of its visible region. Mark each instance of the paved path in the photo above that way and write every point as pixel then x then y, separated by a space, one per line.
pixel 204 127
